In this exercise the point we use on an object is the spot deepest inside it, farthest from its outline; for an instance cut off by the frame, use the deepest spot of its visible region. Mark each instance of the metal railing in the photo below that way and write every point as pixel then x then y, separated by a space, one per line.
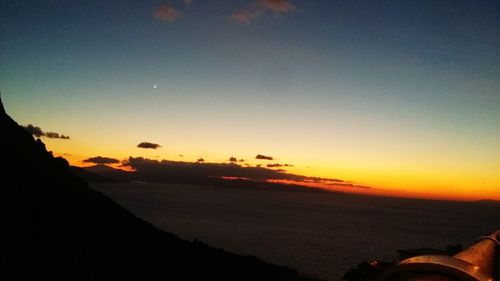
pixel 476 263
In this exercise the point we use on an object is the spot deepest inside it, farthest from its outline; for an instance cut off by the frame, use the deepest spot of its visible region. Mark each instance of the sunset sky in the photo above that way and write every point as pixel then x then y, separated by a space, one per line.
pixel 399 95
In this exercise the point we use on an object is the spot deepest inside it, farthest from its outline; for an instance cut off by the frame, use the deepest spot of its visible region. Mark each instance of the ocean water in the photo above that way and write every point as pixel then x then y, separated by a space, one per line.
pixel 319 234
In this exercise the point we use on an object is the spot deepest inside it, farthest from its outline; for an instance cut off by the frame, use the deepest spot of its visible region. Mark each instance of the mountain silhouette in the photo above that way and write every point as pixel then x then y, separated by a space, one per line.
pixel 91 177
pixel 54 227
pixel 184 174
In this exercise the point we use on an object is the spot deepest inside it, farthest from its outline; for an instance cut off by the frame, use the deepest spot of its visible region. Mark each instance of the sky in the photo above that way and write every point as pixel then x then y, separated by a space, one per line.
pixel 399 95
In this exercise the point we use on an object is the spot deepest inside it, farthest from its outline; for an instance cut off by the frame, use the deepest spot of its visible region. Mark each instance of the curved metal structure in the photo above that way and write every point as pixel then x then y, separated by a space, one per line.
pixel 475 263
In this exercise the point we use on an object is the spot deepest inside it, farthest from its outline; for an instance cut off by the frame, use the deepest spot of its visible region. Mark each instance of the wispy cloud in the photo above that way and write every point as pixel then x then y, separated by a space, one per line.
pixel 166 13
pixel 277 6
pixel 38 132
pixel 147 145
pixel 261 7
pixel 101 160
pixel 243 16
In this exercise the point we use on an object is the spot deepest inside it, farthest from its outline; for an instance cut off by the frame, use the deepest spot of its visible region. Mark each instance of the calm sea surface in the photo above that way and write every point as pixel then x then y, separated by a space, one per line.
pixel 321 234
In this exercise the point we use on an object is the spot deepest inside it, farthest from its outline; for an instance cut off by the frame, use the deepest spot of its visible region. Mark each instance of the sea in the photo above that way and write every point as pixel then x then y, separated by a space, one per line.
pixel 320 234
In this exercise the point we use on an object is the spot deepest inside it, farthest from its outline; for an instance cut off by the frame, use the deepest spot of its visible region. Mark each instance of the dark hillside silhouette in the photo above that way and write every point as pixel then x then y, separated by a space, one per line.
pixel 91 177
pixel 106 174
pixel 55 227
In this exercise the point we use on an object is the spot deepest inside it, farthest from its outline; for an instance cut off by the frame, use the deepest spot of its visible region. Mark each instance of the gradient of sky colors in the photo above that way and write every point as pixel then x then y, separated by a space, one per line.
pixel 401 95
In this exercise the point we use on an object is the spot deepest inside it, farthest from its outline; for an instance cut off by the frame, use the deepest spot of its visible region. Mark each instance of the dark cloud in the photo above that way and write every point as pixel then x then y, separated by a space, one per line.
pixel 277 165
pixel 35 131
pixel 166 13
pixel 38 132
pixel 188 2
pixel 101 160
pixel 200 171
pixel 233 159
pixel 146 144
pixel 241 160
pixel 263 157
pixel 134 162
pixel 52 135
pixel 261 7
pixel 151 168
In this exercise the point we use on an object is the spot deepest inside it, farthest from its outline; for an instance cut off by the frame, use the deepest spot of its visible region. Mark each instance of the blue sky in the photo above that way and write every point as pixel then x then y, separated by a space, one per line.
pixel 353 88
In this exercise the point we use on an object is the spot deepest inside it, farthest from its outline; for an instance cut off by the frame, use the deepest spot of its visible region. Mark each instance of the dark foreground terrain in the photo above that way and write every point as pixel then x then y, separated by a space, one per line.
pixel 55 227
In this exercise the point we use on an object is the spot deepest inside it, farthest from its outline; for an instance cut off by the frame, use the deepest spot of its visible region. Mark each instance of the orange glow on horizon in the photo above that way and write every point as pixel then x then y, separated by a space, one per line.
pixel 395 181
pixel 373 191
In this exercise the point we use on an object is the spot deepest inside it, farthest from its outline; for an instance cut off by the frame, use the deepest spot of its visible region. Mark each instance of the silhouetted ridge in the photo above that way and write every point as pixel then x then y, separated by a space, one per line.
pixel 2 109
pixel 91 177
pixel 55 227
